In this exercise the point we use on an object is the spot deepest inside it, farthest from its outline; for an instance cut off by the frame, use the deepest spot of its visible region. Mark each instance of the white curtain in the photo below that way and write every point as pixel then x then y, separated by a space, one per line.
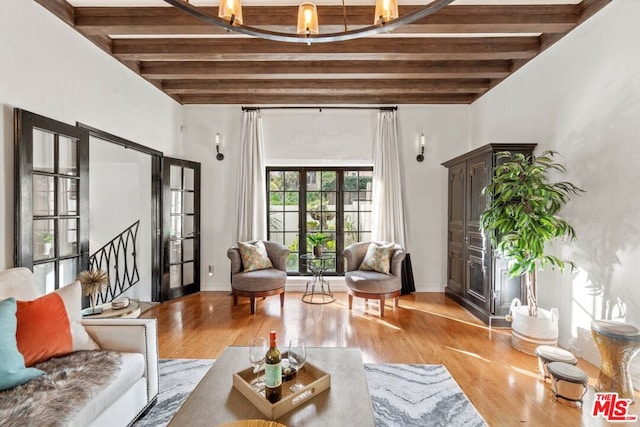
pixel 388 208
pixel 252 202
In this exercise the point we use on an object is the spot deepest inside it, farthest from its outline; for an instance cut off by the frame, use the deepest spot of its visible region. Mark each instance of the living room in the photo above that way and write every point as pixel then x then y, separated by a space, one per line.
pixel 580 97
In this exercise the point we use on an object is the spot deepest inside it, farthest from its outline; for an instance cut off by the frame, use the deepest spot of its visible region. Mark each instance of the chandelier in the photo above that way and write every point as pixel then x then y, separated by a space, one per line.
pixel 385 19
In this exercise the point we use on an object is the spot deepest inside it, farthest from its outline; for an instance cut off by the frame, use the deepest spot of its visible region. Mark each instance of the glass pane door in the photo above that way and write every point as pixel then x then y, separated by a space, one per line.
pixel 181 225
pixel 52 188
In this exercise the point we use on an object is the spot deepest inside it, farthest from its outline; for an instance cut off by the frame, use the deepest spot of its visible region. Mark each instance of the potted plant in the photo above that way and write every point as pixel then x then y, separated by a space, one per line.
pixel 47 240
pixel 521 218
pixel 316 240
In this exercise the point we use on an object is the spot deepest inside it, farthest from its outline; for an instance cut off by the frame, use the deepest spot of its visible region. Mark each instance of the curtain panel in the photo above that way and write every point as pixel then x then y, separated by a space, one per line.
pixel 252 203
pixel 388 207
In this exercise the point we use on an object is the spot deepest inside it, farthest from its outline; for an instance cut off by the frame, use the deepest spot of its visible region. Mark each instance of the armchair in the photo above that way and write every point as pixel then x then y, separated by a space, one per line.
pixel 370 284
pixel 259 283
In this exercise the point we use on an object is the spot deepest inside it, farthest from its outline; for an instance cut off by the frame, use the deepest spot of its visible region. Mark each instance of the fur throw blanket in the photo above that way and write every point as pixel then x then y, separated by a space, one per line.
pixel 55 398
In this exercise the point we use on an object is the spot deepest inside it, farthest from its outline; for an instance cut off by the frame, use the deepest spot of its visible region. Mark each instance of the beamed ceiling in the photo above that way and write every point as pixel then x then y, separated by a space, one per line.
pixel 451 57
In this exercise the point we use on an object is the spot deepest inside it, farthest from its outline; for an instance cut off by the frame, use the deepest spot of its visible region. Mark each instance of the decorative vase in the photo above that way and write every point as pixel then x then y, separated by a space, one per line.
pixel 93 299
pixel 317 251
pixel 528 332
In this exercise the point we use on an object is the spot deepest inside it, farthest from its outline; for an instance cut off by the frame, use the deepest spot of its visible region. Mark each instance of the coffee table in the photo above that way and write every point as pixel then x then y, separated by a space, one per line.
pixel 215 401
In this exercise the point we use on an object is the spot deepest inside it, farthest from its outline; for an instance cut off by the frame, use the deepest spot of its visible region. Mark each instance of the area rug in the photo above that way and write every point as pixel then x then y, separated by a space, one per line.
pixel 402 395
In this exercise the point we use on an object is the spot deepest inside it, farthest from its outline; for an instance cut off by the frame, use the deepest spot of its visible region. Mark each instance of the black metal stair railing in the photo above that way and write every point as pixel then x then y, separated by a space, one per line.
pixel 118 258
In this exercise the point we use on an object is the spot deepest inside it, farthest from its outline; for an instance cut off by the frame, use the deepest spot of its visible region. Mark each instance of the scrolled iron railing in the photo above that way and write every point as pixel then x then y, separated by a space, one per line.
pixel 119 259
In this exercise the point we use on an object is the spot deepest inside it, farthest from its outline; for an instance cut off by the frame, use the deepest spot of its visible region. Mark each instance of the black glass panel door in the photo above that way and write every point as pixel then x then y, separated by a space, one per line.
pixel 181 228
pixel 52 199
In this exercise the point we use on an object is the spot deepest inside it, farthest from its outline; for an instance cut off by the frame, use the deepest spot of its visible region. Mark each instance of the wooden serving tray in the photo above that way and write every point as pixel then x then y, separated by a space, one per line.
pixel 314 379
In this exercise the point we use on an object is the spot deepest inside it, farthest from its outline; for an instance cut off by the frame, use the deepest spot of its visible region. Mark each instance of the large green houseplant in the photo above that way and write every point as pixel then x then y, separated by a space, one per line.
pixel 522 216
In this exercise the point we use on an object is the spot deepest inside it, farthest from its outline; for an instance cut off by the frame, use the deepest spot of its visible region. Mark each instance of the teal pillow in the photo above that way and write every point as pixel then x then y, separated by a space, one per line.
pixel 12 370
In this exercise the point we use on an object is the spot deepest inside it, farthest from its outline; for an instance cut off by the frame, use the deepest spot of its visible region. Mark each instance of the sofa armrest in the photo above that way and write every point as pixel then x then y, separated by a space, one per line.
pixel 354 254
pixel 278 254
pixel 131 336
pixel 396 261
pixel 236 261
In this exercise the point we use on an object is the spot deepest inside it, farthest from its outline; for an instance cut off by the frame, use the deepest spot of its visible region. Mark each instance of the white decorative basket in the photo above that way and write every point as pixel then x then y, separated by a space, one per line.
pixel 527 332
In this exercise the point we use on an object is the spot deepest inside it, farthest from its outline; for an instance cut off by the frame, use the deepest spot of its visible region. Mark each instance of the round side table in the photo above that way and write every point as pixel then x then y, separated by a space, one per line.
pixel 317 266
pixel 132 311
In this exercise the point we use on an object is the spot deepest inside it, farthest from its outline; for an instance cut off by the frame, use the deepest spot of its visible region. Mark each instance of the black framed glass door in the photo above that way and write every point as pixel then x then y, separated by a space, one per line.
pixel 181 227
pixel 52 199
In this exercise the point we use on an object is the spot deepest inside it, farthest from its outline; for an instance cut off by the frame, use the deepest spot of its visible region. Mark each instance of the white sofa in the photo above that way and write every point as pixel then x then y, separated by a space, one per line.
pixel 135 387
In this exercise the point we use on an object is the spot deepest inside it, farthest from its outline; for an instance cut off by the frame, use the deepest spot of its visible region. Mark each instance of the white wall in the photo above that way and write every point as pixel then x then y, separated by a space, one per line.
pixel 49 69
pixel 330 137
pixel 582 98
pixel 120 195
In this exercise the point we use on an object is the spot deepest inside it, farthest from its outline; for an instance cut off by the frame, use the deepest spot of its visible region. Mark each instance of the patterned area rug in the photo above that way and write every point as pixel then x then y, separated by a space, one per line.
pixel 402 395
pixel 418 395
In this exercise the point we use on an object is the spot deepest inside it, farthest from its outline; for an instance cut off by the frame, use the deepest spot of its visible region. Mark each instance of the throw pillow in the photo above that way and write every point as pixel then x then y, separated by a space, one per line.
pixel 72 298
pixel 12 369
pixel 378 258
pixel 50 325
pixel 254 256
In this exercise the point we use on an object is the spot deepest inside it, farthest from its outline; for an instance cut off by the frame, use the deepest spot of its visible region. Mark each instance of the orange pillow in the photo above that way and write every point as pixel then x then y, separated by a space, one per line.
pixel 43 329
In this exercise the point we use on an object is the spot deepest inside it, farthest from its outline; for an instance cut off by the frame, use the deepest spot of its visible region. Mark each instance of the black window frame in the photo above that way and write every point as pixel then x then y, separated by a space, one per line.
pixel 302 198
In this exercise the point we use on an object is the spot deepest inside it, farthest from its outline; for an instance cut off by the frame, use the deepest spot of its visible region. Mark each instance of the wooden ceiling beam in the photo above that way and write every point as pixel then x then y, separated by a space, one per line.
pixel 303 99
pixel 166 70
pixel 244 49
pixel 451 19
pixel 353 86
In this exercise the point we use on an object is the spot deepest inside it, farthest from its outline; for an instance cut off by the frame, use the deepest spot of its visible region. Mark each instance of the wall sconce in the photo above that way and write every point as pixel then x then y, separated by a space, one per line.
pixel 420 156
pixel 219 155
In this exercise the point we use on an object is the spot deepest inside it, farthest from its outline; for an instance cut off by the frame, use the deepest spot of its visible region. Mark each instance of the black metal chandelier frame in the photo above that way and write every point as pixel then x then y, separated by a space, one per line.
pixel 388 26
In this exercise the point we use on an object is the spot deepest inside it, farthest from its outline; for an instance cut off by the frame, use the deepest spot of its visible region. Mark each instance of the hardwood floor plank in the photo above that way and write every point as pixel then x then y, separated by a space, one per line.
pixel 502 383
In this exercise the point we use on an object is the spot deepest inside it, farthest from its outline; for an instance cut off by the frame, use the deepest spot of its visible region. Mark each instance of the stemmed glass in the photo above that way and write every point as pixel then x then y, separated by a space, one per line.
pixel 257 353
pixel 297 355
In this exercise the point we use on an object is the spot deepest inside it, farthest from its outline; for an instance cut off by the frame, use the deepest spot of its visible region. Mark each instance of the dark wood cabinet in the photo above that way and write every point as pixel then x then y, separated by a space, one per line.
pixel 475 277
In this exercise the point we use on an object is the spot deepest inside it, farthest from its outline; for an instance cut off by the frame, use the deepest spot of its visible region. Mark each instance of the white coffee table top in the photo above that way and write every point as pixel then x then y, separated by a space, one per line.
pixel 215 401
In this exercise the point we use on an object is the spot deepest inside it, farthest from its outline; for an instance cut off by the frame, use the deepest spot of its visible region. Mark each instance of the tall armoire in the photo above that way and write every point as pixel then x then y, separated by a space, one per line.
pixel 476 278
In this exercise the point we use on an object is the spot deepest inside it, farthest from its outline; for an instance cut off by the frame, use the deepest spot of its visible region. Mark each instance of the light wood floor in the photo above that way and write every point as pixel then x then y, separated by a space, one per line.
pixel 502 383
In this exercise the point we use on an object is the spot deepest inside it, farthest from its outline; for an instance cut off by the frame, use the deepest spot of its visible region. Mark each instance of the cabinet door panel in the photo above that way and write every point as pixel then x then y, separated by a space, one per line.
pixel 455 263
pixel 456 268
pixel 505 288
pixel 477 179
pixel 478 287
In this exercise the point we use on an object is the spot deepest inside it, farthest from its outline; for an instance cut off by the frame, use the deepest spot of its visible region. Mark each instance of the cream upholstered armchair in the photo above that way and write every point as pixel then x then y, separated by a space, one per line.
pixel 372 284
pixel 262 282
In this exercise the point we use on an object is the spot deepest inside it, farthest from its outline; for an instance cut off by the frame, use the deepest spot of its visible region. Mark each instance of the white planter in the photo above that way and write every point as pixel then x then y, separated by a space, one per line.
pixel 528 332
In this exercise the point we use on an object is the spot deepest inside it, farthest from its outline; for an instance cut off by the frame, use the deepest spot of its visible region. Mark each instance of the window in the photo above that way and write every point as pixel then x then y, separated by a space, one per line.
pixel 332 201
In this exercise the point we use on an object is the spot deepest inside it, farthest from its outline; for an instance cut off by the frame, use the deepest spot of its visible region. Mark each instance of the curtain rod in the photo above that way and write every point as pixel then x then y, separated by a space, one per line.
pixel 320 108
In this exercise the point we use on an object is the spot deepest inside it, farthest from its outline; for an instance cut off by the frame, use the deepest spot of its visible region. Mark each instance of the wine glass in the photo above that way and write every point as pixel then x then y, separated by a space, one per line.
pixel 257 353
pixel 297 355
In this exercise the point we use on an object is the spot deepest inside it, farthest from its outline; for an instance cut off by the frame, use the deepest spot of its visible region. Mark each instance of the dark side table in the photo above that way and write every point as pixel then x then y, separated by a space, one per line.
pixel 318 290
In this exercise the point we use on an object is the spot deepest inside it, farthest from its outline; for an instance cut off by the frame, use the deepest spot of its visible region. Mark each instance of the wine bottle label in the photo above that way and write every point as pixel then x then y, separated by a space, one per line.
pixel 272 375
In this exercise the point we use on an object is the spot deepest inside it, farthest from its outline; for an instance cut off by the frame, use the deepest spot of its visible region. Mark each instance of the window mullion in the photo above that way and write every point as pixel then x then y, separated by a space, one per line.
pixel 302 207
pixel 339 220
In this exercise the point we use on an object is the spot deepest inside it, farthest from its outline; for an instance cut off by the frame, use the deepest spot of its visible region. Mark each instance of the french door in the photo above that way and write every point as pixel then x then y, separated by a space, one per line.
pixel 181 228
pixel 51 199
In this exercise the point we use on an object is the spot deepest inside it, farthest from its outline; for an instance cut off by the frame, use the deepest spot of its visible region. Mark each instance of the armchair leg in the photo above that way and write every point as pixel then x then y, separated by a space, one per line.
pixel 350 301
pixel 381 305
pixel 252 302
pixel 396 301
pixel 235 299
pixel 282 299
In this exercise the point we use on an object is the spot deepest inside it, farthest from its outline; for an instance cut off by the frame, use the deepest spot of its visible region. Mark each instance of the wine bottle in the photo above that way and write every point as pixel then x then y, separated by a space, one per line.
pixel 273 371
